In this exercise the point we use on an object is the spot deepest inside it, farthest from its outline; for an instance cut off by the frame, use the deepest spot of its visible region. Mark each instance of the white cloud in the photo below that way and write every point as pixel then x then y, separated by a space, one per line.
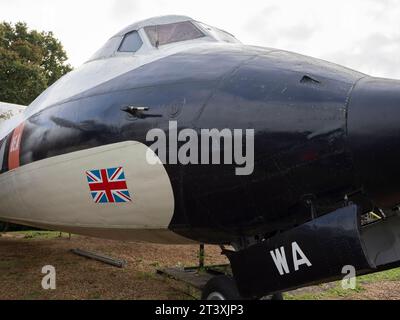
pixel 361 34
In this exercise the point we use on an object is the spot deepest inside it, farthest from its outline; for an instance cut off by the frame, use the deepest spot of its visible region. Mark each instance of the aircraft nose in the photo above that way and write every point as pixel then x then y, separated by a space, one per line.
pixel 373 125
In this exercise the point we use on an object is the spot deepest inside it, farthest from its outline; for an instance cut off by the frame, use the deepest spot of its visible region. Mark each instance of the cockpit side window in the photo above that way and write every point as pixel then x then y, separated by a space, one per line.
pixel 131 42
pixel 173 32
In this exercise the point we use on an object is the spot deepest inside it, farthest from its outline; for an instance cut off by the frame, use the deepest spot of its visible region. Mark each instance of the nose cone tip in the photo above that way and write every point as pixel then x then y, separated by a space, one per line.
pixel 373 124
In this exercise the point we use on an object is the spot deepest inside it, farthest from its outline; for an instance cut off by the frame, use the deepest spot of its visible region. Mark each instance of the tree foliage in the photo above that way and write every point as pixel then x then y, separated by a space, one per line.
pixel 30 61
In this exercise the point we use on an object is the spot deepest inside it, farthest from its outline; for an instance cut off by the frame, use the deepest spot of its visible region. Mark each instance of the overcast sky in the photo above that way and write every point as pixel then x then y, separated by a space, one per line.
pixel 361 34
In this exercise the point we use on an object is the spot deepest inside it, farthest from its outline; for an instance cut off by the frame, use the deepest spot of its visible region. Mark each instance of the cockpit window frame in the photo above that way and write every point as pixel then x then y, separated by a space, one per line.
pixel 215 33
pixel 125 37
pixel 155 43
pixel 112 48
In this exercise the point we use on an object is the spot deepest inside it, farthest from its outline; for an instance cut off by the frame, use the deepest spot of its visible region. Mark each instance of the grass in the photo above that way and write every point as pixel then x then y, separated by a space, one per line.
pixel 38 234
pixel 32 295
pixel 321 292
pixel 8 264
pixel 143 275
pixel 155 264
pixel 95 296
pixel 324 294
pixel 389 275
pixel 336 291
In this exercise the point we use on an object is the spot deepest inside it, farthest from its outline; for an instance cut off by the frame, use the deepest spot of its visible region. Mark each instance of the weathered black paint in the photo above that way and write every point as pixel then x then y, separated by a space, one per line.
pixel 329 243
pixel 374 137
pixel 298 107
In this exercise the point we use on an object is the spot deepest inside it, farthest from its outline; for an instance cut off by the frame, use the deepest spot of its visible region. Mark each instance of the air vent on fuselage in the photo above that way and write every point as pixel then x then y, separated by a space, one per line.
pixel 309 80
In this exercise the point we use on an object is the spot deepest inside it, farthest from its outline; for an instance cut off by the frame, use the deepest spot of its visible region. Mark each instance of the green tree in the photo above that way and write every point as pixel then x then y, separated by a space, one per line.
pixel 30 61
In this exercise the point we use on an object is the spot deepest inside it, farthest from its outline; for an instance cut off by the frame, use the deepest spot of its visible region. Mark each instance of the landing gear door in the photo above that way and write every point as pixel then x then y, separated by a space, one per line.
pixel 312 253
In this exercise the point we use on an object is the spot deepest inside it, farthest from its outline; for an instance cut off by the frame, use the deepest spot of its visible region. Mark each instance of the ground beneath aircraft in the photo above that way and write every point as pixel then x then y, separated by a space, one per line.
pixel 23 254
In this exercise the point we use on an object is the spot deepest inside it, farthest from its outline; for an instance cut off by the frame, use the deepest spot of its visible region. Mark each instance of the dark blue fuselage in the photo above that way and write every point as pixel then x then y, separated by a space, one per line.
pixel 297 106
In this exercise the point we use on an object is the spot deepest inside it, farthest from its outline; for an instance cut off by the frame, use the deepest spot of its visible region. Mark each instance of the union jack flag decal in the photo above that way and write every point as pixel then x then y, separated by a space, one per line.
pixel 108 185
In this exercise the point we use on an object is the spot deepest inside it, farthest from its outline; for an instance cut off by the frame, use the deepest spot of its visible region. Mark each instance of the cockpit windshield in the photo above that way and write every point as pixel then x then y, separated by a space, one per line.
pixel 160 31
pixel 174 32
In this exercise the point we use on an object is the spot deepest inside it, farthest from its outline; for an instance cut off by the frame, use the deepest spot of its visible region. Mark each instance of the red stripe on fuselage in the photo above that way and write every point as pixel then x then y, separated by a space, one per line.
pixel 15 144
